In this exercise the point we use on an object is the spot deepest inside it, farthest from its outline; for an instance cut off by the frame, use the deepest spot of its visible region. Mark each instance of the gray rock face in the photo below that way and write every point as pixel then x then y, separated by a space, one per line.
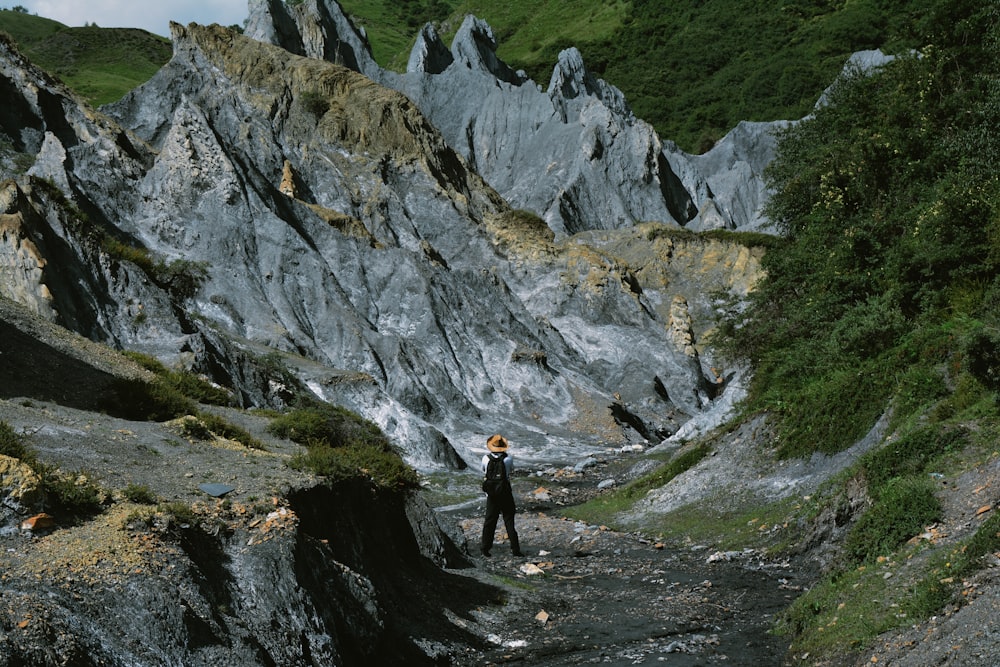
pixel 575 154
pixel 315 28
pixel 311 212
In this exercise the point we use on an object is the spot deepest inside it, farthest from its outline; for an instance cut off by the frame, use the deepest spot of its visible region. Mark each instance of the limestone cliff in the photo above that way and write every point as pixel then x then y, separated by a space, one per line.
pixel 310 211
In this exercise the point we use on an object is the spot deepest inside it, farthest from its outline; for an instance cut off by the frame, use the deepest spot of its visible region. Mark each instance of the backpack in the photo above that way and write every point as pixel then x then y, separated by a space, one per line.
pixel 496 475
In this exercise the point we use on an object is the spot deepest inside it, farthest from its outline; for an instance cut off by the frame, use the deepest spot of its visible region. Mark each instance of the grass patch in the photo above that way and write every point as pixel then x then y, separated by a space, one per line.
pixel 139 494
pixel 772 527
pixel 341 445
pixel 101 64
pixel 607 508
pixel 844 612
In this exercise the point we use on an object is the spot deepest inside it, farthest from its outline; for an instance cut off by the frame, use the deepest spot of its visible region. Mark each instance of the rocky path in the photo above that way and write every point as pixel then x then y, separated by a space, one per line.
pixel 585 594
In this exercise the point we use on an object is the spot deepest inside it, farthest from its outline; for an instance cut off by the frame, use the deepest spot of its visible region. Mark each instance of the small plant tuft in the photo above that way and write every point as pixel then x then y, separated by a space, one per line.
pixel 139 493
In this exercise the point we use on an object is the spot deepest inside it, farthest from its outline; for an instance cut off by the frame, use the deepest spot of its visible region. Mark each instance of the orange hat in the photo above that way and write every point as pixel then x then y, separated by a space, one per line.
pixel 496 443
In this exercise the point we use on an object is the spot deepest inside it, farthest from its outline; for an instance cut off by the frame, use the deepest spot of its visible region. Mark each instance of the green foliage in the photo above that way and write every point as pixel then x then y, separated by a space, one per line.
pixel 139 493
pixel 147 401
pixel 225 429
pixel 180 513
pixel 101 64
pixel 910 454
pixel 184 383
pixel 328 425
pixel 379 464
pixel 12 444
pixel 903 508
pixel 70 494
pixel 341 445
pixel 884 196
pixel 837 615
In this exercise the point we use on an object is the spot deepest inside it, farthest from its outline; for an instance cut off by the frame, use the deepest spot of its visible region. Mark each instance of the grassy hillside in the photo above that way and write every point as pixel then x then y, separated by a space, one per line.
pixel 885 299
pixel 693 69
pixel 101 64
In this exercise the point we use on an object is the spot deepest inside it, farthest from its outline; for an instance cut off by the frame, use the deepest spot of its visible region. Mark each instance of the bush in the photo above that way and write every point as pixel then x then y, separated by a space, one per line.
pixel 180 513
pixel 12 444
pixel 329 425
pixel 139 493
pixel 982 357
pixel 343 445
pixel 224 429
pixel 383 467
pixel 70 494
pixel 184 382
pixel 904 507
pixel 139 400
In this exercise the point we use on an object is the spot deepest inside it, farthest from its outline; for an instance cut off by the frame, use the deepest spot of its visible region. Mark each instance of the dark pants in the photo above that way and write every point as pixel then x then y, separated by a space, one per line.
pixel 504 504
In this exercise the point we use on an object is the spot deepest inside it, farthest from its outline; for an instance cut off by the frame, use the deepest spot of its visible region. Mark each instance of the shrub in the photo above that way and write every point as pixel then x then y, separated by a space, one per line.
pixel 70 494
pixel 139 400
pixel 343 445
pixel 224 429
pixel 12 444
pixel 982 357
pixel 195 429
pixel 903 508
pixel 180 513
pixel 184 382
pixel 324 424
pixel 382 466
pixel 139 493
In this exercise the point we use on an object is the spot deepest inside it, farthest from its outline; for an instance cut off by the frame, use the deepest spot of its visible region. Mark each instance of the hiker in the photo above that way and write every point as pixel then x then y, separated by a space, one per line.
pixel 499 495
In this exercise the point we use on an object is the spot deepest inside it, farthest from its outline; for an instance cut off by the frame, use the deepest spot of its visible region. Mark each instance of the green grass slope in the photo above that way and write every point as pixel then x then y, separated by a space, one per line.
pixel 692 68
pixel 101 64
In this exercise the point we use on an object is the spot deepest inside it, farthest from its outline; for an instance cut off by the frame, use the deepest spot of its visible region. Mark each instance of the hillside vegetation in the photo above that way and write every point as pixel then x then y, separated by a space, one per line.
pixel 693 68
pixel 101 64
pixel 883 299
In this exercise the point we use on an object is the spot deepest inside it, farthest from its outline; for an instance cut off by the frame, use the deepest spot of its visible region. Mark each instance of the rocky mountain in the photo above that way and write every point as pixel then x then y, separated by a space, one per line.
pixel 310 211
pixel 450 252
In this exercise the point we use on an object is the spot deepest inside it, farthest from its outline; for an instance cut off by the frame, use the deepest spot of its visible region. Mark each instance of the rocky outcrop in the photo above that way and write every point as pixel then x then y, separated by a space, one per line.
pixel 574 153
pixel 314 213
pixel 316 28
pixel 283 587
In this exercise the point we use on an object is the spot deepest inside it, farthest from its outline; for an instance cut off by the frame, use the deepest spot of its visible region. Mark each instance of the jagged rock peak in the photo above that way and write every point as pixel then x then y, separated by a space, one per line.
pixel 475 47
pixel 315 28
pixel 429 54
pixel 571 79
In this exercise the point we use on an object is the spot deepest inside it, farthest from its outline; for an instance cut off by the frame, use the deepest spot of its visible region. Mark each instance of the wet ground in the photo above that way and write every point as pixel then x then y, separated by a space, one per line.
pixel 585 594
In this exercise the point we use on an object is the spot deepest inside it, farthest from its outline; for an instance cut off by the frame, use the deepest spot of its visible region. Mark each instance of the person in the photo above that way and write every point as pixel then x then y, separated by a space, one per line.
pixel 501 503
